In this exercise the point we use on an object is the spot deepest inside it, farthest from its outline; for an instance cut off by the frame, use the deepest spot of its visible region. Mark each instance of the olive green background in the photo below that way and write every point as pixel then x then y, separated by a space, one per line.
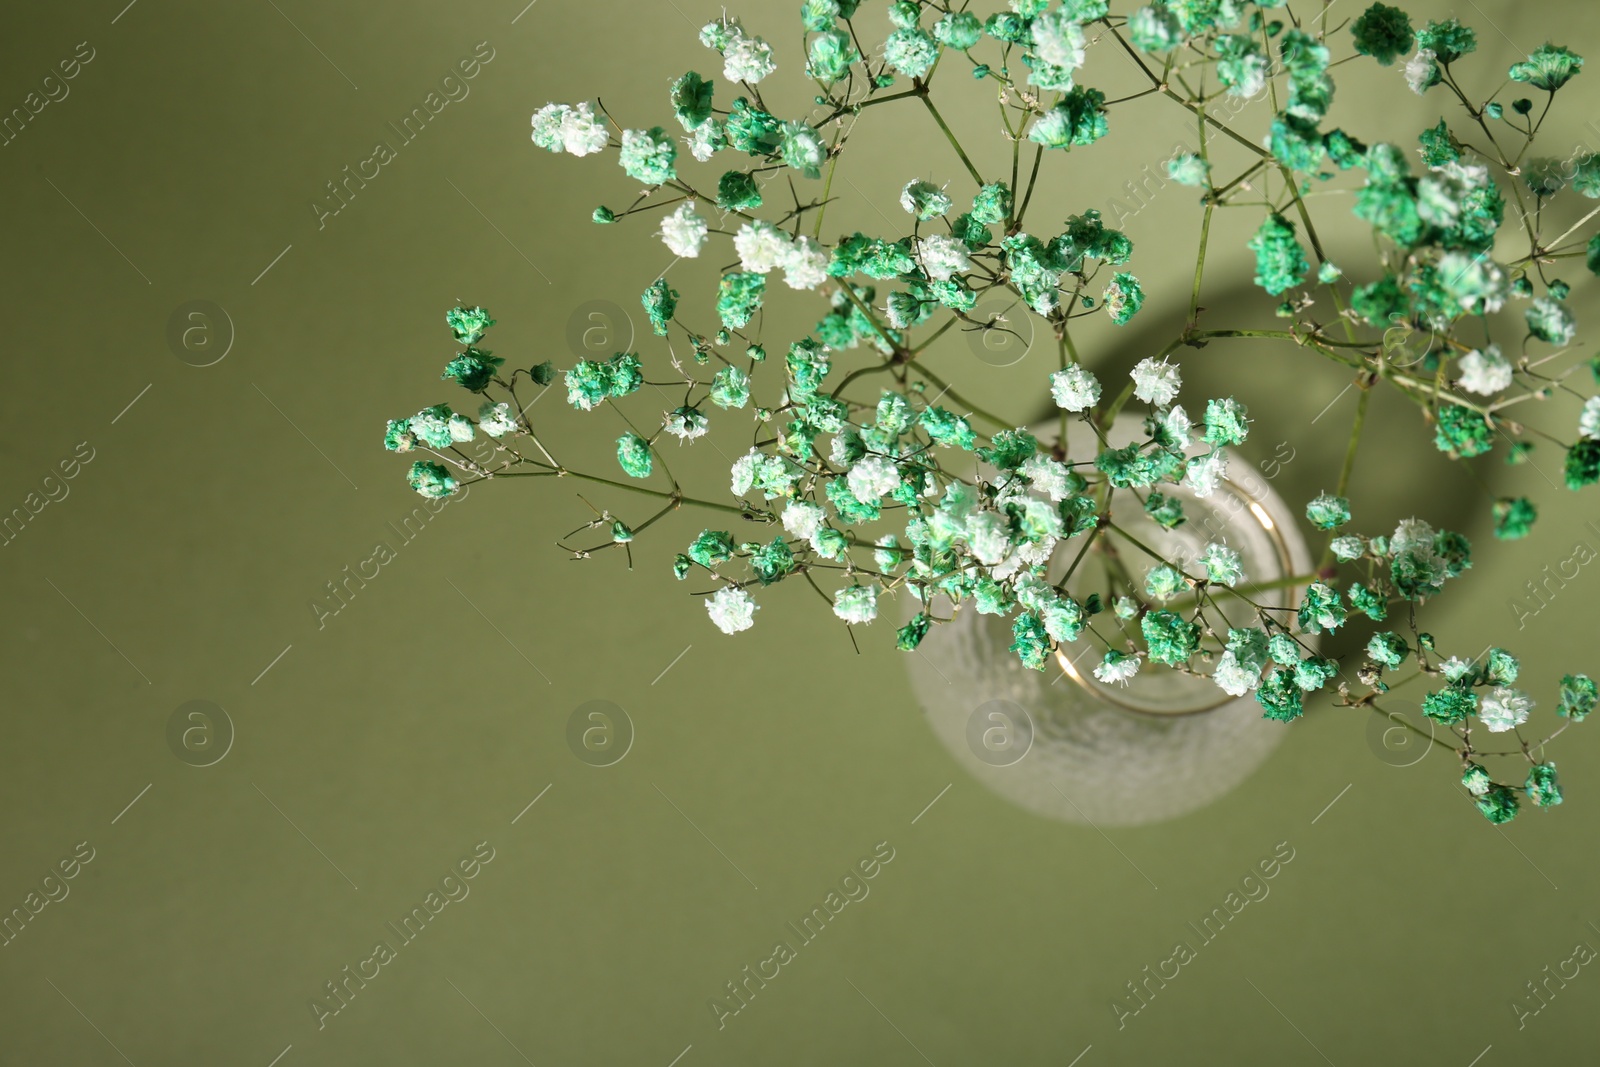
pixel 388 740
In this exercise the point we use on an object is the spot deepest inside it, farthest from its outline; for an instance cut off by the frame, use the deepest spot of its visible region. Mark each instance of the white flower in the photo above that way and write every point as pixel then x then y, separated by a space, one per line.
pixel 732 610
pixel 705 139
pixel 805 264
pixel 1503 708
pixel 460 428
pixel 924 199
pixel 803 519
pixel 1477 283
pixel 856 603
pixel 1486 372
pixel 496 419
pixel 746 59
pixel 761 246
pixel 580 130
pixel 1046 475
pixel 1455 668
pixel 1075 388
pixel 1222 564
pixel 1058 40
pixel 1420 70
pixel 685 423
pixel 1156 382
pixel 1177 423
pixel 942 256
pixel 683 231
pixel 1232 677
pixel 988 537
pixel 873 476
pixel 744 471
pixel 547 126
pixel 1206 472
pixel 1117 667
pixel 1589 418
pixel 1411 534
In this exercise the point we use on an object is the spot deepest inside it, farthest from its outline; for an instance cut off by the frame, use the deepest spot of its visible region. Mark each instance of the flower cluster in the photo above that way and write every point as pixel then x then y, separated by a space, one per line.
pixel 869 477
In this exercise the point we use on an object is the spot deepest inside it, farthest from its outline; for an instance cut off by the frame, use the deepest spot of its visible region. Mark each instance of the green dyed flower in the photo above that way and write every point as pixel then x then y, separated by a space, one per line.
pixel 1462 432
pixel 1476 780
pixel 1226 423
pixel 1154 28
pixel 633 455
pixel 802 148
pixel 924 199
pixel 911 51
pixel 473 369
pixel 739 297
pixel 1438 147
pixel 1321 609
pixel 1579 695
pixel 691 100
pixel 1223 565
pixel 1448 40
pixel 992 204
pixel 1387 648
pixel 590 383
pixel 1514 517
pixel 1079 119
pixel 1123 297
pixel 1450 705
pixel 738 191
pixel 1186 168
pixel 1164 582
pixel 468 323
pixel 1499 804
pixel 831 56
pixel 959 30
pixel 1165 510
pixel 1583 463
pixel 1280 262
pixel 1548 68
pixel 1328 512
pixel 944 428
pixel 1542 787
pixel 1241 64
pixel 1171 638
pixel 1383 32
pixel 909 636
pixel 398 437
pixel 648 155
pixel 432 480
pixel 660 303
pixel 1549 320
pixel 710 548
pixel 1314 672
pixel 1368 601
pixel 1030 640
pixel 772 562
pixel 1280 696
pixel 730 388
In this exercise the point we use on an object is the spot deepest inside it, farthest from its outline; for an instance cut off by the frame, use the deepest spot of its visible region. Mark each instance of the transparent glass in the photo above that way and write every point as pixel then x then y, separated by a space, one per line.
pixel 1063 744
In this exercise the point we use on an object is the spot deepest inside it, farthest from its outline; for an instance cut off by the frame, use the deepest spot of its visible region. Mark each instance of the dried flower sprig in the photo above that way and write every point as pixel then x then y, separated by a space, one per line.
pixel 902 492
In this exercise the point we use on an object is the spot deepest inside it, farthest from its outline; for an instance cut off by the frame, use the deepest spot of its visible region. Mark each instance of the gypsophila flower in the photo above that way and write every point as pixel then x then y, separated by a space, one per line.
pixel 1226 423
pixel 1074 388
pixel 1477 283
pixel 856 604
pixel 1328 512
pixel 1542 786
pixel 1422 71
pixel 1503 708
pixel 431 480
pixel 761 246
pixel 1387 648
pixel 942 257
pixel 924 199
pixel 559 128
pixel 1549 320
pixel 647 155
pixel 685 423
pixel 911 51
pixel 496 420
pixel 1156 382
pixel 1456 668
pixel 1383 32
pixel 803 519
pixel 1186 168
pixel 1204 474
pixel 684 231
pixel 733 610
pixel 872 477
pixel 1579 694
pixel 1117 668
pixel 1223 565
pixel 468 323
pixel 802 148
pixel 1549 67
pixel 1485 371
pixel 746 58
pixel 1589 419
pixel 633 455
pixel 1348 548
pixel 431 426
pixel 805 264
pixel 1476 780
pixel 1123 297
